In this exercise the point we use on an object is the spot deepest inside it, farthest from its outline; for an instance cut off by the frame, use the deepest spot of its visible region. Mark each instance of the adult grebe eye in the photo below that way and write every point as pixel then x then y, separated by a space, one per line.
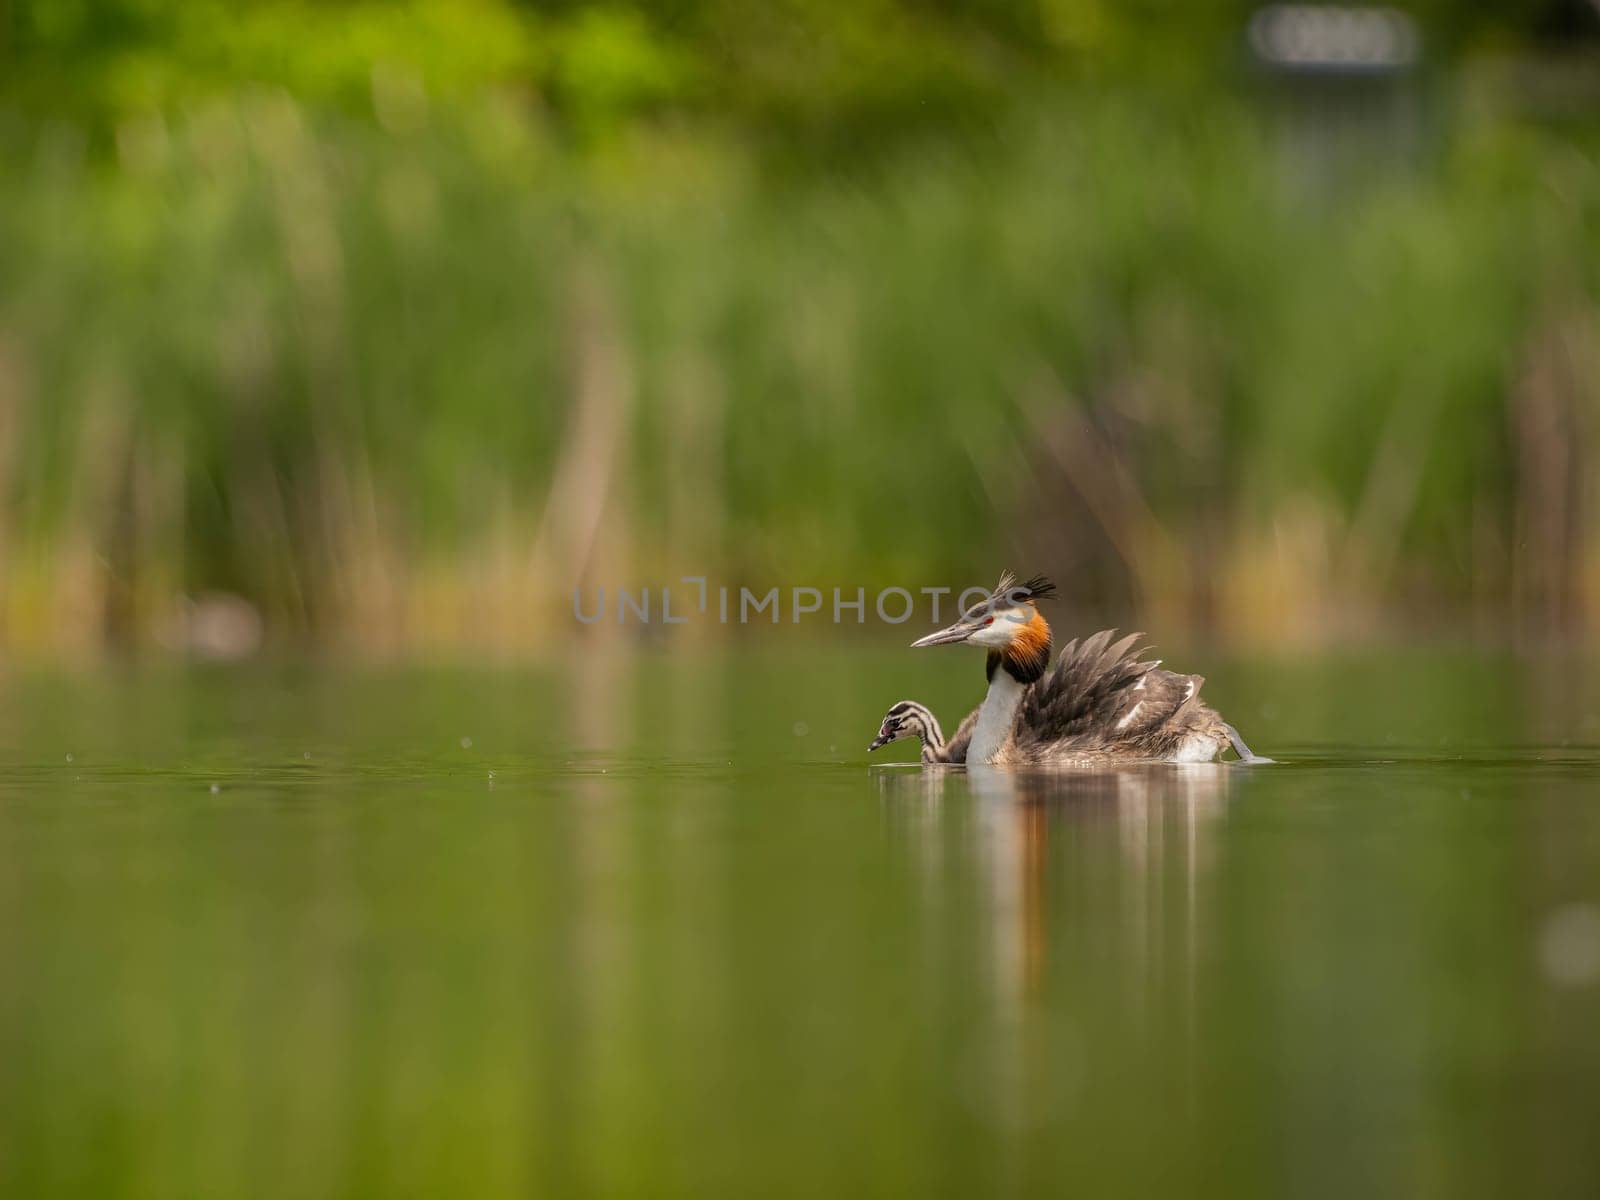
pixel 988 620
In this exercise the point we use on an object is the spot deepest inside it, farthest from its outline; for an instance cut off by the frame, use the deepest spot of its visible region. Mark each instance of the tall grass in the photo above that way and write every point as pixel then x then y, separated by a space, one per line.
pixel 407 383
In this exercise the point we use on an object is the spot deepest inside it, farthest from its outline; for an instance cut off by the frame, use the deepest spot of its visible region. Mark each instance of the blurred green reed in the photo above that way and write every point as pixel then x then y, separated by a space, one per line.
pixel 406 381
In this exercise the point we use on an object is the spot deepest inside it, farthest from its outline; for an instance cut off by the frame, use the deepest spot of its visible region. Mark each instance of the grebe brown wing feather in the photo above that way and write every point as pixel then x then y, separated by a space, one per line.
pixel 1093 685
pixel 1160 700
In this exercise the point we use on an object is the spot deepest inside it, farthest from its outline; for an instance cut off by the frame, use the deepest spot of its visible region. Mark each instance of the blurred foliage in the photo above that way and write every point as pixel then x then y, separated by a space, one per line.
pixel 830 69
pixel 387 316
pixel 403 381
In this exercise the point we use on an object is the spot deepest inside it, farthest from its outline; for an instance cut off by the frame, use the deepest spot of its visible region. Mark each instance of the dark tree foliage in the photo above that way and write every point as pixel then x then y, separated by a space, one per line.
pixel 811 66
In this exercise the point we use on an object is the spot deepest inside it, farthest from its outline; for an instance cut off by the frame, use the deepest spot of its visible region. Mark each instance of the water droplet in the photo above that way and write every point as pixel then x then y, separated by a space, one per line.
pixel 306 756
pixel 466 743
pixel 69 758
pixel 215 789
pixel 801 729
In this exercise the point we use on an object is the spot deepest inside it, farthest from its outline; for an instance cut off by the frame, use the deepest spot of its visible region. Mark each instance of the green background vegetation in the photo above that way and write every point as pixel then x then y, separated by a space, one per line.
pixel 398 320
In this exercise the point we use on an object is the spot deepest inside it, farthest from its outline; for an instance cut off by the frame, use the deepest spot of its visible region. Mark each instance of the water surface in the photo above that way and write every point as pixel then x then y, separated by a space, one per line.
pixel 658 926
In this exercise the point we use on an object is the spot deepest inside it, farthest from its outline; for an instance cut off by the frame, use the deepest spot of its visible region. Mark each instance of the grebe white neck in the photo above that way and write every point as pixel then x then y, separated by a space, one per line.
pixel 996 717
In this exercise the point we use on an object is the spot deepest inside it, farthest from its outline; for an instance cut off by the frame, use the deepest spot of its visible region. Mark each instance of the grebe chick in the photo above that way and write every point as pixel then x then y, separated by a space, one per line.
pixel 910 719
pixel 1098 704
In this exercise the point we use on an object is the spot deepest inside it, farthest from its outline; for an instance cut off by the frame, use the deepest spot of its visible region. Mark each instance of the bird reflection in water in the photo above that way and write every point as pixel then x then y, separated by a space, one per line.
pixel 1103 871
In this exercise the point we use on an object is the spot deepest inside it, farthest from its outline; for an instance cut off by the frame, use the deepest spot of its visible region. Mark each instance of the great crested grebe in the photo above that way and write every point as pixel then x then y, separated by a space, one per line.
pixel 1099 704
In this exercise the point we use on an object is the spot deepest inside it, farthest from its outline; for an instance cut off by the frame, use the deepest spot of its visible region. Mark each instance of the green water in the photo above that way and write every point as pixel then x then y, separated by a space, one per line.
pixel 659 927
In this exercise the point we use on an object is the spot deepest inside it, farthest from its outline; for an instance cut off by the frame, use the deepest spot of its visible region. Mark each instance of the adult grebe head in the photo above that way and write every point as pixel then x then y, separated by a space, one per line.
pixel 1008 624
